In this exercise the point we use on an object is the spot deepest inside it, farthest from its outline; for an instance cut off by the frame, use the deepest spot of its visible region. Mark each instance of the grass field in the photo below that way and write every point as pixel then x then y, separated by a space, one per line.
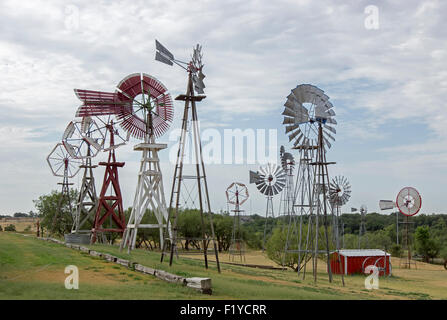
pixel 34 269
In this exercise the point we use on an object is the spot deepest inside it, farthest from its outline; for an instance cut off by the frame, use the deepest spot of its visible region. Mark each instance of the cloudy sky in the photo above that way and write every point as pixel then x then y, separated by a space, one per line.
pixel 386 76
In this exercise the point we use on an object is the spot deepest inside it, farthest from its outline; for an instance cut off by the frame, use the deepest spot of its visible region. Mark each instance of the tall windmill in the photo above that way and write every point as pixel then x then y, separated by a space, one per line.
pixel 270 180
pixel 237 194
pixel 149 118
pixel 309 121
pixel 62 164
pixel 339 194
pixel 83 139
pixel 409 203
pixel 190 124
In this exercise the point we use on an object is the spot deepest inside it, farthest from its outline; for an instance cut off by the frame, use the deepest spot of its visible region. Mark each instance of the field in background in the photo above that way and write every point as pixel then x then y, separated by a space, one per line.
pixel 33 269
pixel 20 223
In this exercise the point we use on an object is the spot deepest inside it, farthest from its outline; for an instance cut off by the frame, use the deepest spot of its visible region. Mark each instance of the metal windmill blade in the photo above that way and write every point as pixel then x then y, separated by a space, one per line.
pixel 306 106
pixel 387 204
pixel 163 55
pixel 409 201
pixel 287 159
pixel 270 179
pixel 339 191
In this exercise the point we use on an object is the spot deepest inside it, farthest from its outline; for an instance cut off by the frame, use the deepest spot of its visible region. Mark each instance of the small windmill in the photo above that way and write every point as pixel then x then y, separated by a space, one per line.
pixel 409 203
pixel 269 180
pixel 339 194
pixel 62 164
pixel 195 84
pixel 309 119
pixel 362 229
pixel 237 194
pixel 83 139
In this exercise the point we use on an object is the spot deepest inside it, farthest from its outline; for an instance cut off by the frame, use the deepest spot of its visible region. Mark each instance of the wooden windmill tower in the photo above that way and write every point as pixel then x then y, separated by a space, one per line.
pixel 190 124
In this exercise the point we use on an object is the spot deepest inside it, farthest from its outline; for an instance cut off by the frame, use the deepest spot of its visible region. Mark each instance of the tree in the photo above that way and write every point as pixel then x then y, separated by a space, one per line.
pixel 48 206
pixel 425 244
pixel 275 249
pixel 10 227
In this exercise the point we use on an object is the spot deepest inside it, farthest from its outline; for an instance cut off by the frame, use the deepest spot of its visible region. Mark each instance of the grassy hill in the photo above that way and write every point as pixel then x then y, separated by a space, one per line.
pixel 33 269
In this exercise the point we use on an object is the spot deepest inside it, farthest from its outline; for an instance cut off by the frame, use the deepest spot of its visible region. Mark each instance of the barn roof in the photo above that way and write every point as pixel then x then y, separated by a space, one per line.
pixel 362 252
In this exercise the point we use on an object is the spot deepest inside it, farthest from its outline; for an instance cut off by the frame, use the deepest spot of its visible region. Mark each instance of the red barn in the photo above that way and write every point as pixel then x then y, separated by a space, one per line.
pixel 355 261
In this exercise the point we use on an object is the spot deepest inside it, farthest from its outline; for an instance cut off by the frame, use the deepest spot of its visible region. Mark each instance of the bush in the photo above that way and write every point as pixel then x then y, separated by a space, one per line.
pixel 10 227
pixel 1 229
pixel 443 253
pixel 396 250
pixel 27 229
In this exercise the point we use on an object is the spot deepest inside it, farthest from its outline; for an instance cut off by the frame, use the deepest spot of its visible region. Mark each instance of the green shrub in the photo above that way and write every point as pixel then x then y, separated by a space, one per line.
pixel 10 227
pixel 1 229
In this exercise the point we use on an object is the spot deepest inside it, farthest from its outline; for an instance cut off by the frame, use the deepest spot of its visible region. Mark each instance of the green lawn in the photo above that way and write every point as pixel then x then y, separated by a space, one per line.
pixel 34 269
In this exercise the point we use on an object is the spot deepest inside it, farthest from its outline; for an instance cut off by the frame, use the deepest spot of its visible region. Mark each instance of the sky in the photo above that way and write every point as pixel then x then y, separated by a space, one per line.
pixel 382 63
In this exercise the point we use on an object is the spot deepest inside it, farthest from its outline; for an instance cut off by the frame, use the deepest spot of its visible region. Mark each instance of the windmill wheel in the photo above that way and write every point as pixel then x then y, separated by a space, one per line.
pixel 60 161
pixel 145 100
pixel 83 138
pixel 270 179
pixel 305 108
pixel 409 201
pixel 339 191
pixel 237 193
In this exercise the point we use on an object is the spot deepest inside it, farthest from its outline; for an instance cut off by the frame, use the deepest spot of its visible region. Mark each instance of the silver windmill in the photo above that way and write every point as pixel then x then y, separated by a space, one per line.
pixel 309 121
pixel 339 194
pixel 270 180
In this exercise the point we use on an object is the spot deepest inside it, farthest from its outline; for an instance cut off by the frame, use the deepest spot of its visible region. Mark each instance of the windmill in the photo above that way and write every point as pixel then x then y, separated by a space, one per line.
pixel 104 107
pixel 146 117
pixel 83 139
pixel 362 229
pixel 389 205
pixel 195 84
pixel 309 122
pixel 62 164
pixel 287 195
pixel 237 194
pixel 269 180
pixel 409 203
pixel 339 194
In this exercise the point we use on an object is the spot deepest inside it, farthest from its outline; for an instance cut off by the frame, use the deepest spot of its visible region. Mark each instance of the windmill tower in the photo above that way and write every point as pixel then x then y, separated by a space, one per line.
pixel 190 124
pixel 237 194
pixel 62 165
pixel 83 139
pixel 287 195
pixel 309 120
pixel 409 203
pixel 270 180
pixel 339 194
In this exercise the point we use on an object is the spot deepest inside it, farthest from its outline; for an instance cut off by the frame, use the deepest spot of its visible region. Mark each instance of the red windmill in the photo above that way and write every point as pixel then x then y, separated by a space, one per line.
pixel 131 104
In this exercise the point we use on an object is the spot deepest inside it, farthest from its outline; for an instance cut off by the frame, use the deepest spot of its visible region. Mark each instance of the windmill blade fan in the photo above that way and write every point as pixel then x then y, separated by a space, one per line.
pixel 144 94
pixel 270 179
pixel 305 108
pixel 339 191
pixel 409 201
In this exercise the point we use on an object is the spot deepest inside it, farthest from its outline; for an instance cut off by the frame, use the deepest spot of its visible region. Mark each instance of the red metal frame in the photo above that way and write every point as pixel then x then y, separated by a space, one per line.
pixel 110 205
